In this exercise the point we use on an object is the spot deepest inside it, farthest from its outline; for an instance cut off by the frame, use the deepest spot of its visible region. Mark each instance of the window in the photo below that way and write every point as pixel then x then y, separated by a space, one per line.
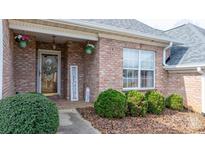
pixel 138 69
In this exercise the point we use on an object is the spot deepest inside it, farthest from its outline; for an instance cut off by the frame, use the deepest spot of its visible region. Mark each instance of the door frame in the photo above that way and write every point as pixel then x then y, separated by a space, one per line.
pixel 50 52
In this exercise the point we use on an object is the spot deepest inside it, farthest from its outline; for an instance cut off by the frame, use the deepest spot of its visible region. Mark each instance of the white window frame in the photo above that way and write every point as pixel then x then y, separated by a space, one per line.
pixel 51 52
pixel 139 71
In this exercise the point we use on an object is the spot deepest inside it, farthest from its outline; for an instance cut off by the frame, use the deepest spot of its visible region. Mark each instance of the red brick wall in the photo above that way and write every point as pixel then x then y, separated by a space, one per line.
pixel 8 80
pixel 111 63
pixel 25 67
pixel 189 86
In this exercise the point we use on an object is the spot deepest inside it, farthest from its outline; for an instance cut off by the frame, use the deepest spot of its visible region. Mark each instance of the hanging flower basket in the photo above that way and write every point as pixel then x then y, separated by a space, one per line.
pixel 89 48
pixel 22 40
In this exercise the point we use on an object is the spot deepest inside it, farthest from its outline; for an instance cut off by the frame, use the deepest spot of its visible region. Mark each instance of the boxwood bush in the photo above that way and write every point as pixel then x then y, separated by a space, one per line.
pixel 136 104
pixel 28 114
pixel 155 100
pixel 174 102
pixel 111 104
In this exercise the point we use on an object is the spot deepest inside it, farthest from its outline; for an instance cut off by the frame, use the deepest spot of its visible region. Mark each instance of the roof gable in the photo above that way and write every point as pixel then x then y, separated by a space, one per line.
pixel 187 33
pixel 193 51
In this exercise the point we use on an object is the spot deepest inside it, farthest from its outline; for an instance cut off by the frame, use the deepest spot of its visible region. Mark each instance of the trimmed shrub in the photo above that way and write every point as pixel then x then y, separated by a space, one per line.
pixel 148 93
pixel 111 104
pixel 28 114
pixel 155 102
pixel 174 102
pixel 136 104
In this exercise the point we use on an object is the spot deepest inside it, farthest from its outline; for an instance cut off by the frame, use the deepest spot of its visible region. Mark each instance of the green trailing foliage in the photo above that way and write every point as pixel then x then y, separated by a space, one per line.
pixel 28 114
pixel 111 104
pixel 175 102
pixel 136 104
pixel 155 100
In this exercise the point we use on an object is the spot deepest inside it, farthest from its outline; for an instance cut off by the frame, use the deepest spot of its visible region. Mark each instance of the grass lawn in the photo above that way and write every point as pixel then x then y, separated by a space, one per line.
pixel 169 122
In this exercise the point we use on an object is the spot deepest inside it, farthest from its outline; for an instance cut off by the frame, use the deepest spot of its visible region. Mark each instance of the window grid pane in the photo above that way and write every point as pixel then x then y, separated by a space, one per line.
pixel 147 78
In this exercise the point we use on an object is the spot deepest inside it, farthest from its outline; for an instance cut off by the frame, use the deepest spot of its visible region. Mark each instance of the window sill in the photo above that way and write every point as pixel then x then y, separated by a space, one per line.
pixel 127 89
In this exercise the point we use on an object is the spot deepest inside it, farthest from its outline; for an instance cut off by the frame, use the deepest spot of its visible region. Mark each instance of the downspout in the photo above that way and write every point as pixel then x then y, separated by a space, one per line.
pixel 200 71
pixel 164 53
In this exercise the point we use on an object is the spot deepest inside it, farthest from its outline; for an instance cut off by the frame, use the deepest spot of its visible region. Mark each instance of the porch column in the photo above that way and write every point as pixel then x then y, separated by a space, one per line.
pixel 1 58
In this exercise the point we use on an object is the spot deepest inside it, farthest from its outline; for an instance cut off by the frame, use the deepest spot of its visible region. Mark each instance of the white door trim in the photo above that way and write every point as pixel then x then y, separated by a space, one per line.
pixel 1 58
pixel 51 52
pixel 203 93
pixel 71 87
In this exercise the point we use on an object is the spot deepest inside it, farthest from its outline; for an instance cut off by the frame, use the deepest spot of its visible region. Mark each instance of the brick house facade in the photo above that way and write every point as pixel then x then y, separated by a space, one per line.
pixel 100 70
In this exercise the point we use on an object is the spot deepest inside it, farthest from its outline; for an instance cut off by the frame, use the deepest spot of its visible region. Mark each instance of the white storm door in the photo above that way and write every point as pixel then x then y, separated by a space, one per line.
pixel 74 82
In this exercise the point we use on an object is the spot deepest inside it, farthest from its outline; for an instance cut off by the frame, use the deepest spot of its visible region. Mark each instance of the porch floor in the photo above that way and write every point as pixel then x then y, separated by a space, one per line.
pixel 64 104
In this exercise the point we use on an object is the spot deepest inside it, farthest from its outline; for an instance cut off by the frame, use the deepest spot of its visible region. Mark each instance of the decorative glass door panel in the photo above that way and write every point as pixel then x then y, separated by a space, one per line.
pixel 74 82
pixel 49 73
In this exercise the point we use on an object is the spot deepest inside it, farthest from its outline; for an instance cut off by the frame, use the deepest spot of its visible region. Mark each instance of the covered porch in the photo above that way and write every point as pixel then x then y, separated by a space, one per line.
pixel 54 62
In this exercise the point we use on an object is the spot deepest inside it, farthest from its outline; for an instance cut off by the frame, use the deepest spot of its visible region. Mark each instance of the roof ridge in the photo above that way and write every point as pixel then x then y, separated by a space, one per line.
pixel 175 27
pixel 148 25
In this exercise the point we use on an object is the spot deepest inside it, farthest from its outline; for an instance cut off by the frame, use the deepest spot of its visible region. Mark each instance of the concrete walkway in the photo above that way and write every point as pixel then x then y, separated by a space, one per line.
pixel 71 122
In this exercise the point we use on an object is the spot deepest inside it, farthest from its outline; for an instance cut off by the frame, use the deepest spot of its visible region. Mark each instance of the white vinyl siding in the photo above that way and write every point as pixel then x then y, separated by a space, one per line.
pixel 138 69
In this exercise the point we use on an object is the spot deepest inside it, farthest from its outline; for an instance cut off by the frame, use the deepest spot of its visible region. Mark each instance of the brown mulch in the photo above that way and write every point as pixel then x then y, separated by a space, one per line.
pixel 169 122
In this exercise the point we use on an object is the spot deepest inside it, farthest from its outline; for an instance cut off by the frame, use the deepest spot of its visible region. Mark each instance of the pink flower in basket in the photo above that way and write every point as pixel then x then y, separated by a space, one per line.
pixel 25 38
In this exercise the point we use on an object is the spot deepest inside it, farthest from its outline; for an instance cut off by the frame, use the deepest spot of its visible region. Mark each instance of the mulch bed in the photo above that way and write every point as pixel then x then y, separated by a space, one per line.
pixel 170 122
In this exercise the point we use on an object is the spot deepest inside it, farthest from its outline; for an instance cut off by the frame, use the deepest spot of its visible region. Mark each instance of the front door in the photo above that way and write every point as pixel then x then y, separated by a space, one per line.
pixel 49 73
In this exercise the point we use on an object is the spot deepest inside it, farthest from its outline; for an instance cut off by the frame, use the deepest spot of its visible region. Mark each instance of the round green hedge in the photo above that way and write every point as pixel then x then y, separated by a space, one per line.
pixel 111 104
pixel 28 114
pixel 136 104
pixel 155 102
pixel 175 102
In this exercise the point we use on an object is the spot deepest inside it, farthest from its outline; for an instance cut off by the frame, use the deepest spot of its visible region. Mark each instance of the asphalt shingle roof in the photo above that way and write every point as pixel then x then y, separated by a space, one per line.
pixel 193 52
pixel 129 24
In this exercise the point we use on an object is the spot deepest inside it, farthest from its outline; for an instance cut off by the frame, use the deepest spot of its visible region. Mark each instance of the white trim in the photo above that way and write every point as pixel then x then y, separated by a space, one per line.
pixel 113 29
pixel 132 39
pixel 127 89
pixel 203 93
pixel 1 58
pixel 38 28
pixel 200 71
pixel 52 52
pixel 71 87
pixel 183 67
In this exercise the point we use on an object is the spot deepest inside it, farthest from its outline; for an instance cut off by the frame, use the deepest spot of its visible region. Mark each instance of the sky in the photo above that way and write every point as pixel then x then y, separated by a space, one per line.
pixel 168 24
